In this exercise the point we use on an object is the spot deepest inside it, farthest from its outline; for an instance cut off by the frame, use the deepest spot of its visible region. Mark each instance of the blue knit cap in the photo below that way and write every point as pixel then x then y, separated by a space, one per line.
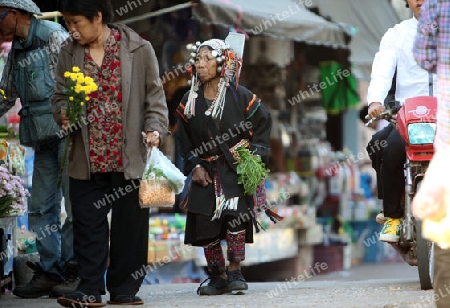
pixel 26 5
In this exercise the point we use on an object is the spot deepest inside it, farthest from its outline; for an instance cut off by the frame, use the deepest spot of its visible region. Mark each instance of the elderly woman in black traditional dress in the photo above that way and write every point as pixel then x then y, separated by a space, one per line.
pixel 217 116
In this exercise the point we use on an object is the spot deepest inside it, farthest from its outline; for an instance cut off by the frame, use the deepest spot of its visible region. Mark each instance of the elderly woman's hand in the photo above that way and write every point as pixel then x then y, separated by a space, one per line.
pixel 201 176
pixel 153 139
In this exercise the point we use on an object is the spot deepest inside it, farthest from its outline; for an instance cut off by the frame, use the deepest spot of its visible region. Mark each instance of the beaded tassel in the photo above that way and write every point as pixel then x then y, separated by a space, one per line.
pixel 219 102
pixel 189 110
pixel 216 108
pixel 221 203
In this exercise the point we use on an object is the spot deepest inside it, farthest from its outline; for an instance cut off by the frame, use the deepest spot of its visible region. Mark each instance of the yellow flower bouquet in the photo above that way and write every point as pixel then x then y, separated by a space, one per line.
pixel 77 88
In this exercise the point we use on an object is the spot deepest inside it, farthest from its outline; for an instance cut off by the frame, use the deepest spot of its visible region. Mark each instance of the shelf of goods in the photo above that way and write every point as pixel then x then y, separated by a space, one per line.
pixel 166 237
pixel 284 248
pixel 279 241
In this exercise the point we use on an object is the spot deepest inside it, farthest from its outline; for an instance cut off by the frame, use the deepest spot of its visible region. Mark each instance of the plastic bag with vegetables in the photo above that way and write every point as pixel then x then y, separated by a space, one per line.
pixel 160 182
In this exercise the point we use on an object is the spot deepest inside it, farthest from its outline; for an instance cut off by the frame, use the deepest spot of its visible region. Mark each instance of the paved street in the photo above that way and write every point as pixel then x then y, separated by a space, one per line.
pixel 391 285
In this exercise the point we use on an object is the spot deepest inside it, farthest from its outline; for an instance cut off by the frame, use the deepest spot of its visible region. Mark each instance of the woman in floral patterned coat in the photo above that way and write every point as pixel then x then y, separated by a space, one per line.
pixel 107 155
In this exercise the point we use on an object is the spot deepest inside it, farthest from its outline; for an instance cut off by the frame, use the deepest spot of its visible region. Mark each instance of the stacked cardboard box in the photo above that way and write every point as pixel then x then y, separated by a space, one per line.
pixel 332 255
pixel 165 251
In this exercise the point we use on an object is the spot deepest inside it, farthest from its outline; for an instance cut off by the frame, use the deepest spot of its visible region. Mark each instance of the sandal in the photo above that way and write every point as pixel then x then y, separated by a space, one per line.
pixel 125 300
pixel 79 299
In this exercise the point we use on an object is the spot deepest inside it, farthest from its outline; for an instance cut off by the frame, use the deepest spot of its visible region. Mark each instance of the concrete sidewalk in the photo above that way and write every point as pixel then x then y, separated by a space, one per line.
pixel 374 285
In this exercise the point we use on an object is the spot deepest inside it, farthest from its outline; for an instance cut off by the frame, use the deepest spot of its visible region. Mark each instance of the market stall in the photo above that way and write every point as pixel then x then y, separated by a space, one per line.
pixel 282 59
pixel 370 19
pixel 285 19
pixel 13 203
pixel 275 42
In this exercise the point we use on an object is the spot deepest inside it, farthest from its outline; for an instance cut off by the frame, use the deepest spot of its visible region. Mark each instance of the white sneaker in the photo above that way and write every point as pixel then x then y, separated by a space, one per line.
pixel 380 218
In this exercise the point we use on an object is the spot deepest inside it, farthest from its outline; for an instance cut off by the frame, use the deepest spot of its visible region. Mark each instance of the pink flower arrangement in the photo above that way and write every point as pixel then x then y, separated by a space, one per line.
pixel 12 194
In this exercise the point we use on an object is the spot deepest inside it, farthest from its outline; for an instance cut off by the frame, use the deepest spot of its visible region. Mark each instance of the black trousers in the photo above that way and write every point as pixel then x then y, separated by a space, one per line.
pixel 387 152
pixel 127 238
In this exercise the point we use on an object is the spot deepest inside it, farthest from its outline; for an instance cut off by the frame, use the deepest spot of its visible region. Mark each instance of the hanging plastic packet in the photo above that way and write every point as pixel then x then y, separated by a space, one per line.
pixel 161 181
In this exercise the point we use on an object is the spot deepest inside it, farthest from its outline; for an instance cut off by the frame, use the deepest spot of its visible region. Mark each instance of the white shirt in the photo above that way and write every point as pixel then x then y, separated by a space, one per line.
pixel 396 51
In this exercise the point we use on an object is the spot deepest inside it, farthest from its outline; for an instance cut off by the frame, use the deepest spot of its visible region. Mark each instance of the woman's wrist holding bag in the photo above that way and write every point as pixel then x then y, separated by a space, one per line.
pixel 196 166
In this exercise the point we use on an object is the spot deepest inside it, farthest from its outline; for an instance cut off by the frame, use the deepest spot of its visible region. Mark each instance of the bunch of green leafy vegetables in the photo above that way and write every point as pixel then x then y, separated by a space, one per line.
pixel 155 173
pixel 250 169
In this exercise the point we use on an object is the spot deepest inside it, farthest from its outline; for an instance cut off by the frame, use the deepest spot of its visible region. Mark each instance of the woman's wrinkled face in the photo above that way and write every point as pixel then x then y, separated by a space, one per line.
pixel 82 29
pixel 206 65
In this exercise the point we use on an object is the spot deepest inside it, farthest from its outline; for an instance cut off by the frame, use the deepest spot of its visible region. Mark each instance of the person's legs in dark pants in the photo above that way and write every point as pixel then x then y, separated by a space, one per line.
pixel 375 150
pixel 392 175
pixel 393 183
pixel 441 277
pixel 236 254
pixel 128 242
pixel 90 208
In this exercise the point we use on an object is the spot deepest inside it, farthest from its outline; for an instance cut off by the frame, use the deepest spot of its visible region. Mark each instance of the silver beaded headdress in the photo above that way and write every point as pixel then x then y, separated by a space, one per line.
pixel 228 66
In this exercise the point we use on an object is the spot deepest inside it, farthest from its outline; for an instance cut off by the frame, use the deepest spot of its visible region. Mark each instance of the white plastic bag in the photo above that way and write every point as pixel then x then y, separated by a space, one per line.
pixel 161 180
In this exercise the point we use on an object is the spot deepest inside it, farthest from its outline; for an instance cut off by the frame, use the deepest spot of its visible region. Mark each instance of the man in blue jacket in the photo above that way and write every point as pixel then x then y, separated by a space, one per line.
pixel 29 75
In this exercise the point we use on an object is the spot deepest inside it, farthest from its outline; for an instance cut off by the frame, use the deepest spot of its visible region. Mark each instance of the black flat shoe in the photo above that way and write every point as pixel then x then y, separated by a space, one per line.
pixel 216 286
pixel 125 300
pixel 236 282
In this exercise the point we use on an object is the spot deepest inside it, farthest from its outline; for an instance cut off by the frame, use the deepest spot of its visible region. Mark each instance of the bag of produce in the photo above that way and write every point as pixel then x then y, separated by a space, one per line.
pixel 160 182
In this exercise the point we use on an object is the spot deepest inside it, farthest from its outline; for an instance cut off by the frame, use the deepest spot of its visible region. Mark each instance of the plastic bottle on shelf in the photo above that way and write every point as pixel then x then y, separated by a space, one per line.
pixel 157 229
pixel 173 233
pixel 165 229
pixel 14 118
pixel 304 155
pixel 180 222
pixel 29 163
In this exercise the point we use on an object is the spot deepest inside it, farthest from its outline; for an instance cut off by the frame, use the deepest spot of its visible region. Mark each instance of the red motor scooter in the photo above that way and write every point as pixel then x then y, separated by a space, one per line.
pixel 416 123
